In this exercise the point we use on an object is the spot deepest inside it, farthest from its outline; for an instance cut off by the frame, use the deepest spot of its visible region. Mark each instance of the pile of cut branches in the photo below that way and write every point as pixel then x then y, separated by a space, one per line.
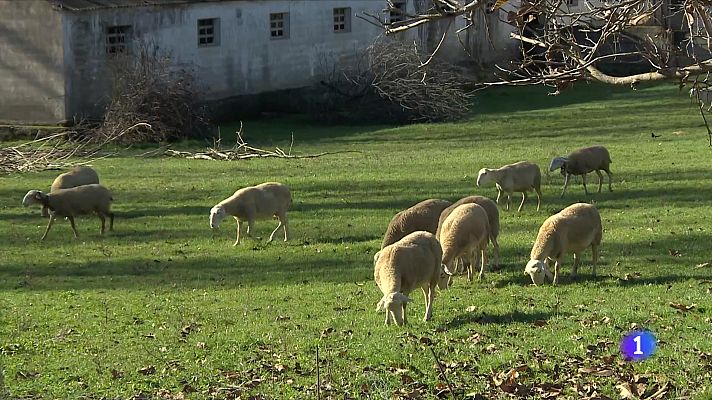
pixel 58 151
pixel 243 151
pixel 148 88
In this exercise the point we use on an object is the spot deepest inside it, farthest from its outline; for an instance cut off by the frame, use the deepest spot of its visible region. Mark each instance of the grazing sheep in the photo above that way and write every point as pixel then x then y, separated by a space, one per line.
pixel 421 217
pixel 465 232
pixel 78 176
pixel 518 177
pixel 253 203
pixel 572 230
pixel 72 202
pixel 703 96
pixel 401 267
pixel 583 161
pixel 492 217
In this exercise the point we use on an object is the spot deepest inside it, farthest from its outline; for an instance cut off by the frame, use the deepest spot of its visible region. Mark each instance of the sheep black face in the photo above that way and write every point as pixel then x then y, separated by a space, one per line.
pixel 217 214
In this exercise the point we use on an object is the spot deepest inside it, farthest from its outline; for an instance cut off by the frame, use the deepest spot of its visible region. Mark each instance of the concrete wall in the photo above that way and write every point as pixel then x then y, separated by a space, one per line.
pixel 31 67
pixel 485 43
pixel 246 61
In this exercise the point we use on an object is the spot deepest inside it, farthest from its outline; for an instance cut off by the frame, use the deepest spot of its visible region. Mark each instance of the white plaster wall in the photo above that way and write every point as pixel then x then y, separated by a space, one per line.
pixel 246 61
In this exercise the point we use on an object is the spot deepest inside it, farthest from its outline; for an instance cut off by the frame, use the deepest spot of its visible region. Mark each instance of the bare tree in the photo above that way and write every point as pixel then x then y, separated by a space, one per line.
pixel 394 81
pixel 561 43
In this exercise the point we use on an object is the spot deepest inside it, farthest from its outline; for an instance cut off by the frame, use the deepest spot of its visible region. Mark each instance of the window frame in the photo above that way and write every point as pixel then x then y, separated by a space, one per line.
pixel 345 14
pixel 116 39
pixel 284 28
pixel 215 35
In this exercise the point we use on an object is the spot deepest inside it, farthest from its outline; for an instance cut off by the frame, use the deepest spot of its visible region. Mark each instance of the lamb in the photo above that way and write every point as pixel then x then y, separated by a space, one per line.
pixel 420 217
pixel 492 217
pixel 572 230
pixel 518 177
pixel 703 96
pixel 401 267
pixel 583 161
pixel 253 203
pixel 72 202
pixel 465 232
pixel 78 176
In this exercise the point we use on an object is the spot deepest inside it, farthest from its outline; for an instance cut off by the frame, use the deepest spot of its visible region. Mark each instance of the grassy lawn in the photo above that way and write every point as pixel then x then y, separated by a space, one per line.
pixel 162 308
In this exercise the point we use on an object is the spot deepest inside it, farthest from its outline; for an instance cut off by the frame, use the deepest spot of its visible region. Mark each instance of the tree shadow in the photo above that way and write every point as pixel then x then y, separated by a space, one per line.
pixel 498 319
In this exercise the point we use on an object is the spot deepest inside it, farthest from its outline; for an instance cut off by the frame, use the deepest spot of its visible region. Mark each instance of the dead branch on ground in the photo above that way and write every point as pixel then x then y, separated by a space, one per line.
pixel 58 151
pixel 243 151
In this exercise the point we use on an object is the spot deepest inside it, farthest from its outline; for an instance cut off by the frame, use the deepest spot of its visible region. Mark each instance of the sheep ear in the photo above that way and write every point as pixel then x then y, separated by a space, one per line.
pixel 446 270
pixel 375 257
pixel 379 306
pixel 37 196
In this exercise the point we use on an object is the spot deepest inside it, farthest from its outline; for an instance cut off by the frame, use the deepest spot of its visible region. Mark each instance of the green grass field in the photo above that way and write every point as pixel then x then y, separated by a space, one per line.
pixel 162 308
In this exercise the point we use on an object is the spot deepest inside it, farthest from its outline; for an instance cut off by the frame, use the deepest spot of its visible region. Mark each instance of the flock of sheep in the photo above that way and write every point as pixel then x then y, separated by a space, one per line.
pixel 424 245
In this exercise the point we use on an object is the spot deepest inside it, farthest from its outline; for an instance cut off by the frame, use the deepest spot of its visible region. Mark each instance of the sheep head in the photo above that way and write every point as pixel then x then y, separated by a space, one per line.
pixel 217 214
pixel 484 177
pixel 558 162
pixel 393 304
pixel 34 197
pixel 538 271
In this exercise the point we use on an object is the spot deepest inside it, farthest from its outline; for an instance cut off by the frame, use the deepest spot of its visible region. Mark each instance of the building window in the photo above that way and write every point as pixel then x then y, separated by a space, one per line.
pixel 397 12
pixel 208 32
pixel 342 19
pixel 572 3
pixel 117 39
pixel 279 25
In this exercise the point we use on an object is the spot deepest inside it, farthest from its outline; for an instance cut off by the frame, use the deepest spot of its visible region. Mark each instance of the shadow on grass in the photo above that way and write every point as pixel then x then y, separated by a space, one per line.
pixel 247 267
pixel 499 319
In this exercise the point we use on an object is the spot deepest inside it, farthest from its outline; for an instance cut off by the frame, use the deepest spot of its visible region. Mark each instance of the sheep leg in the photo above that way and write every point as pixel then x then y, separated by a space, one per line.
pixel 111 221
pixel 499 194
pixel 389 317
pixel 405 316
pixel 429 293
pixel 600 180
pixel 557 264
pixel 483 265
pixel 74 227
pixel 275 231
pixel 594 249
pixel 577 259
pixel 473 264
pixel 566 184
pixel 509 200
pixel 496 251
pixel 239 226
pixel 583 178
pixel 538 197
pixel 610 189
pixel 524 198
pixel 49 225
pixel 103 223
pixel 285 227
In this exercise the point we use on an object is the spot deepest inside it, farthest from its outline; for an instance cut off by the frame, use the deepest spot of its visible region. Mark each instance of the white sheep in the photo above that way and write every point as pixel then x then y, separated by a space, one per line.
pixel 583 161
pixel 572 230
pixel 518 177
pixel 254 203
pixel 703 96
pixel 465 232
pixel 73 202
pixel 492 217
pixel 420 217
pixel 401 267
pixel 78 176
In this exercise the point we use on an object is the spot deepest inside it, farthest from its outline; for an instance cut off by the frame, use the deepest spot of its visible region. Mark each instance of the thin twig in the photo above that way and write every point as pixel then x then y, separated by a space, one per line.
pixel 442 372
